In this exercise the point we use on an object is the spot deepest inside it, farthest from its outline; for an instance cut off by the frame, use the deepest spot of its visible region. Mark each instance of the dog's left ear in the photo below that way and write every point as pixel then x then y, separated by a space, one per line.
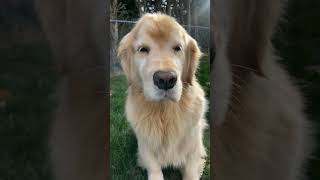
pixel 193 54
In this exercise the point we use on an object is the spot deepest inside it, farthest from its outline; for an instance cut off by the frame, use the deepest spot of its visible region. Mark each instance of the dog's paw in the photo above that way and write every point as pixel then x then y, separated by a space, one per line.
pixel 191 178
pixel 155 176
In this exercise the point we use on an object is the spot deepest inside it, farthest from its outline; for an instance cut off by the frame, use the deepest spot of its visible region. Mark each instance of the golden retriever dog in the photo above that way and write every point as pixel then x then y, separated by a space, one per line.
pixel 165 105
pixel 260 130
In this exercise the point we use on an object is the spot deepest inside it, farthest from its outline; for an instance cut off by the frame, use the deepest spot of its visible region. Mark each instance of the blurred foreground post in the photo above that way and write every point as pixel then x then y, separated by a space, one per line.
pixel 77 33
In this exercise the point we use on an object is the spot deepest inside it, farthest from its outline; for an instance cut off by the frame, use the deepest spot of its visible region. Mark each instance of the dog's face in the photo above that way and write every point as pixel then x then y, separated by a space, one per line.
pixel 159 56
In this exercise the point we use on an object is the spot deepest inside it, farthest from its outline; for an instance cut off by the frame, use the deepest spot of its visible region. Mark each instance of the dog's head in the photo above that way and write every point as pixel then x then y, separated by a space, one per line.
pixel 159 57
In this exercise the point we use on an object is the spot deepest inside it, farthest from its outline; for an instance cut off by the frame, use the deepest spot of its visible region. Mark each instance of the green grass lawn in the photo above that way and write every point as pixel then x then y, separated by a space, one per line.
pixel 122 139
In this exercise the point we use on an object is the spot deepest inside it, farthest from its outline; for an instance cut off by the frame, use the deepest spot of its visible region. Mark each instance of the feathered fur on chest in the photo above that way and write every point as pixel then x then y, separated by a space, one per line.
pixel 163 122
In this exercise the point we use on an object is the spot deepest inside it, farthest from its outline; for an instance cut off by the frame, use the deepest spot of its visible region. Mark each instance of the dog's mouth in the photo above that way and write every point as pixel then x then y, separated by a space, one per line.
pixel 153 93
pixel 169 95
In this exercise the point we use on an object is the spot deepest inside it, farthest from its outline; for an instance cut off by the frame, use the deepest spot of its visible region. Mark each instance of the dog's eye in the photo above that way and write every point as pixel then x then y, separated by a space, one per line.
pixel 144 49
pixel 177 48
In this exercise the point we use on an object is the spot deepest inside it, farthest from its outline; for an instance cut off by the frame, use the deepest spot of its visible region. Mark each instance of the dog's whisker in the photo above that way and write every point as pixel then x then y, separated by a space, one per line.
pixel 239 78
pixel 236 89
pixel 241 105
pixel 236 98
pixel 244 67
pixel 237 85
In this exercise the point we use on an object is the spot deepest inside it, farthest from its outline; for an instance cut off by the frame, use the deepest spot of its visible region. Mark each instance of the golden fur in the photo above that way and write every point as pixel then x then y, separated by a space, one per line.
pixel 260 129
pixel 169 131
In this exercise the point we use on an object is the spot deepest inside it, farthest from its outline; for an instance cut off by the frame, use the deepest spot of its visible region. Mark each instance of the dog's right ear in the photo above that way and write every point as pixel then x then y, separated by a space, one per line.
pixel 193 54
pixel 125 55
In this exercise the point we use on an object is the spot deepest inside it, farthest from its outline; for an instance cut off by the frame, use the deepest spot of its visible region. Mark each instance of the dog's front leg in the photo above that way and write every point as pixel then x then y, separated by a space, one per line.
pixel 192 170
pixel 195 161
pixel 155 175
pixel 149 162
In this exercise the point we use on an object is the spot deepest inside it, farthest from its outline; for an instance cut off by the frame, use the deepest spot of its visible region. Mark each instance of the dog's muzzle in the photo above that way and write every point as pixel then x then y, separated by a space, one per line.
pixel 165 80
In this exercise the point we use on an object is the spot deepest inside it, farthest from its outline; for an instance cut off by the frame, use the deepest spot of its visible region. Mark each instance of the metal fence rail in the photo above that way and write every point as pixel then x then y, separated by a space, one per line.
pixel 133 22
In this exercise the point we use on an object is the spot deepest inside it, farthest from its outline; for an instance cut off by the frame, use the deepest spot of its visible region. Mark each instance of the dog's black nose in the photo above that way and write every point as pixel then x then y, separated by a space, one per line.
pixel 165 79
